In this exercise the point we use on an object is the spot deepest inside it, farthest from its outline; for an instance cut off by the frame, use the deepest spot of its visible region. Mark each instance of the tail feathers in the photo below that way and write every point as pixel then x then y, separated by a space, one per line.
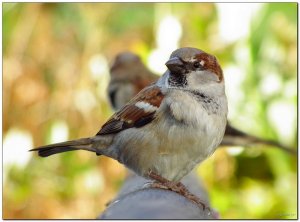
pixel 80 144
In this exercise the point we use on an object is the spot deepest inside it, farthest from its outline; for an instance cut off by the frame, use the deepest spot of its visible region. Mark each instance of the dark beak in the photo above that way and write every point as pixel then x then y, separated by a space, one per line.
pixel 175 65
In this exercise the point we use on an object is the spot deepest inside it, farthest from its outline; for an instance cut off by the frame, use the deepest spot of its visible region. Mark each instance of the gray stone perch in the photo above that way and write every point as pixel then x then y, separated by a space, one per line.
pixel 135 201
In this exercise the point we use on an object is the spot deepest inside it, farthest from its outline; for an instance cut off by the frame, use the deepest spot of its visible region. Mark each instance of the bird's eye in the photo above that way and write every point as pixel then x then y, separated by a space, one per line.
pixel 197 64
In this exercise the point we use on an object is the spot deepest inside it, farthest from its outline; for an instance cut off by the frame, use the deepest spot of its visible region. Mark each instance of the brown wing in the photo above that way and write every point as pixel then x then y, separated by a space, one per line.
pixel 138 112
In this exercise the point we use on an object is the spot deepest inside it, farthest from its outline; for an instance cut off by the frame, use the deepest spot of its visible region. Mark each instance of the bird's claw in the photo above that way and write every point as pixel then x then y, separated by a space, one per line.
pixel 177 187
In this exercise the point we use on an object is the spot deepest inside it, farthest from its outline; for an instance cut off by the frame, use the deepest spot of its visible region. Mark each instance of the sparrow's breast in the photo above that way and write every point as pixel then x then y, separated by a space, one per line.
pixel 181 136
pixel 192 133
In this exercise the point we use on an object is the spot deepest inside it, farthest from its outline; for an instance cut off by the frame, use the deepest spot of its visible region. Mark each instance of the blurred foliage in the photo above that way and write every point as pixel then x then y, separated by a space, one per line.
pixel 53 90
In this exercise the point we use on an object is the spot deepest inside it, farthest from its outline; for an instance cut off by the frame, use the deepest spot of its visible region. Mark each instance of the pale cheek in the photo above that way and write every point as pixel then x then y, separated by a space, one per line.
pixel 196 79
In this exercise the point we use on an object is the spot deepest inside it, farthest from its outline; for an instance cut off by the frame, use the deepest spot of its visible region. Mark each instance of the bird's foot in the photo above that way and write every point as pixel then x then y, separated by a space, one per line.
pixel 178 187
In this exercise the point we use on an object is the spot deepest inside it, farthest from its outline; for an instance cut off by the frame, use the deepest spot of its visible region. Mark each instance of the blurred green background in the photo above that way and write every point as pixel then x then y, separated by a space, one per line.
pixel 55 63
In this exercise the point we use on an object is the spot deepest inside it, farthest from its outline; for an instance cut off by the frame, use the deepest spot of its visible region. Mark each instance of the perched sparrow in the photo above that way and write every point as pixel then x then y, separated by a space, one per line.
pixel 168 127
pixel 128 76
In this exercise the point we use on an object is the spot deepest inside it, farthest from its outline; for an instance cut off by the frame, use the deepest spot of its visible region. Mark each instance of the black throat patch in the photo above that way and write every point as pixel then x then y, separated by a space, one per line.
pixel 177 80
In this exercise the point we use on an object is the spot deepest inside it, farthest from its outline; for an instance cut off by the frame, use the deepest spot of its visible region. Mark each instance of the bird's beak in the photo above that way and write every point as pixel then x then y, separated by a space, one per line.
pixel 175 65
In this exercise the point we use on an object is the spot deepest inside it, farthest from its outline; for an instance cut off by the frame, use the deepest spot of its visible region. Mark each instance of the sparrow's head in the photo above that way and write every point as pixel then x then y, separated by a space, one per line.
pixel 193 68
pixel 124 60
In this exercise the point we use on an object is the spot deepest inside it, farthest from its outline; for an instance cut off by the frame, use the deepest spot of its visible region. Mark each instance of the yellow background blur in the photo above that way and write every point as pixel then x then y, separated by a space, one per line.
pixel 56 58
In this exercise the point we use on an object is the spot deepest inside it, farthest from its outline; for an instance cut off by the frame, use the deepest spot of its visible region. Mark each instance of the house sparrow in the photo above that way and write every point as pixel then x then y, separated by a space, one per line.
pixel 167 128
pixel 128 76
